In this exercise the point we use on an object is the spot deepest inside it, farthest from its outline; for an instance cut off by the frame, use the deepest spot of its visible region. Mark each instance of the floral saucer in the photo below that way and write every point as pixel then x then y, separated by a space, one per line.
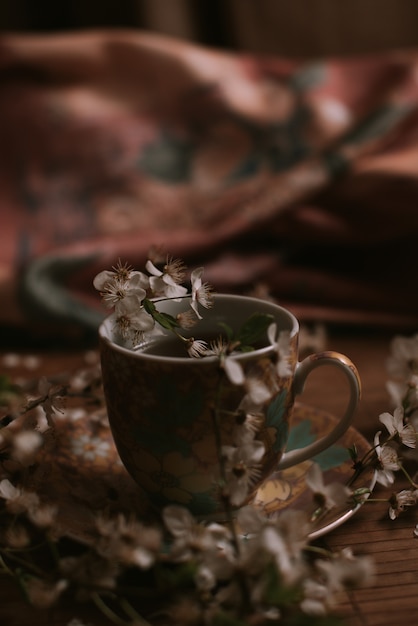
pixel 81 474
pixel 288 488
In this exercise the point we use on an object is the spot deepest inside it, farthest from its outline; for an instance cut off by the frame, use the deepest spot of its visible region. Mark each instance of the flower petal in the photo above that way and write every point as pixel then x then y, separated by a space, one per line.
pixel 234 371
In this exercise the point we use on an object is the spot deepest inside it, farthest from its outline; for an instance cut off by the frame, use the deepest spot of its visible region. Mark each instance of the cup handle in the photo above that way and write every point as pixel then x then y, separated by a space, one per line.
pixel 303 369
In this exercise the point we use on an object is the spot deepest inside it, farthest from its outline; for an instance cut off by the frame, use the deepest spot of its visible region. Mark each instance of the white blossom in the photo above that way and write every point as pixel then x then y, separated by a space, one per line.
pixel 197 348
pixel 127 541
pixel 166 283
pixel 388 462
pixel 131 319
pixel 403 360
pixel 401 501
pixel 345 571
pixel 243 468
pixel 26 444
pixel 234 370
pixel 192 538
pixel 395 426
pixel 326 496
pixel 43 593
pixel 51 400
pixel 201 292
pixel 282 346
pixel 317 599
pixel 114 286
pixel 8 491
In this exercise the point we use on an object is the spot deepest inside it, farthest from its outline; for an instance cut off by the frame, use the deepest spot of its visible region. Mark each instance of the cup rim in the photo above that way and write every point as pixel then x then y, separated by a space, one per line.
pixel 242 356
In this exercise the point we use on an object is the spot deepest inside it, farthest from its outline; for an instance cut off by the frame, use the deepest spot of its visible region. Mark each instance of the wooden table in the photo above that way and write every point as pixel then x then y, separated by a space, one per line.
pixel 393 598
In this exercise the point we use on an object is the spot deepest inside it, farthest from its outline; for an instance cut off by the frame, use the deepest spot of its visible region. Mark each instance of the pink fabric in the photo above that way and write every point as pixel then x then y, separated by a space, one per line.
pixel 282 177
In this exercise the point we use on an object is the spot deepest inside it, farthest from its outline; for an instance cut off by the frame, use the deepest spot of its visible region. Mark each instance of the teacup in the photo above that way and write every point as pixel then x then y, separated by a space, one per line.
pixel 161 405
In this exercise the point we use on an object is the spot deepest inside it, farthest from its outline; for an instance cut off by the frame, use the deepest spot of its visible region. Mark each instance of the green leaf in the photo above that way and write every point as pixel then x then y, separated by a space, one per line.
pixel 165 320
pixel 246 348
pixel 149 306
pixel 5 384
pixel 256 325
pixel 353 452
pixel 227 330
pixel 176 577
pixel 361 491
pixel 8 390
pixel 275 593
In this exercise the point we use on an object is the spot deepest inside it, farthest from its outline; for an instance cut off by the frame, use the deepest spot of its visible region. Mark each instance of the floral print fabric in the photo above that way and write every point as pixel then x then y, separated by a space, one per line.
pixel 296 179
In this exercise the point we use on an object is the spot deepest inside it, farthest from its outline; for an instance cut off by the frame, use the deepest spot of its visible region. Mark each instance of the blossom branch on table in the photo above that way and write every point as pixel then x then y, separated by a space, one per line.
pixel 177 570
pixel 392 450
pixel 204 573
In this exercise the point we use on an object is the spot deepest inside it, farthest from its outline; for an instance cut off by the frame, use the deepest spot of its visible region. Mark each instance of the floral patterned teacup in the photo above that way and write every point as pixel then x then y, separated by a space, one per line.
pixel 189 435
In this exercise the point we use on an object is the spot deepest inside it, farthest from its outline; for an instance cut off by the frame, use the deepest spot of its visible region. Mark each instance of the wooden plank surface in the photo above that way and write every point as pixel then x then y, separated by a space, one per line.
pixel 393 597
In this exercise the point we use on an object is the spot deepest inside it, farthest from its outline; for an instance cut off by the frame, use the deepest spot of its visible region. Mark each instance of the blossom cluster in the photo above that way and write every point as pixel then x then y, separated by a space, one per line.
pixel 134 294
pixel 256 571
pixel 399 447
pixel 177 570
pixel 241 460
pixel 394 448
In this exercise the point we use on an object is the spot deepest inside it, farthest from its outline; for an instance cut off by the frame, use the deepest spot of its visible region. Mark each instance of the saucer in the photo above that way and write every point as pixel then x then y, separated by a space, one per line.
pixel 80 473
pixel 288 488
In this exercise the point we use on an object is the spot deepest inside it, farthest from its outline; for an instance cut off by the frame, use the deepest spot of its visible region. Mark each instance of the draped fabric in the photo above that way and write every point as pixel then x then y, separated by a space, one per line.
pixel 297 179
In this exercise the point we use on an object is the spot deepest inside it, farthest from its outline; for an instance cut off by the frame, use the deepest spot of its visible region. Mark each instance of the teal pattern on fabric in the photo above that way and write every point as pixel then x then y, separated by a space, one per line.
pixel 168 159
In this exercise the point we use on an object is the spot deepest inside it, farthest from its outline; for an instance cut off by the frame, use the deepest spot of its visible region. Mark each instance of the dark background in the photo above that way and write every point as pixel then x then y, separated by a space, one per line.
pixel 294 27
